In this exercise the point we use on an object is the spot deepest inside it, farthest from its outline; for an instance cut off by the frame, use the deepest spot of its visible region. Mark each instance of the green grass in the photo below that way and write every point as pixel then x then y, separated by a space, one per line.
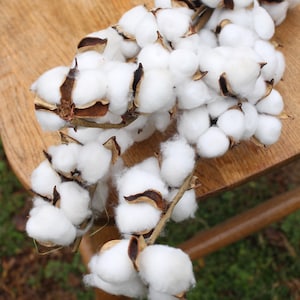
pixel 255 268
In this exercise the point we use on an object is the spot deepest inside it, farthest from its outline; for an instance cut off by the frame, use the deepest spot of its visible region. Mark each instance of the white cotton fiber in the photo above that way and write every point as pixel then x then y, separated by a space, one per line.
pixel 129 48
pixel 74 202
pixel 93 162
pixel 119 78
pixel 186 207
pixel 155 295
pixel 212 143
pixel 91 85
pixel 49 121
pixel 251 119
pixel 173 23
pixel 146 31
pixel 48 84
pixel 272 104
pixel 154 56
pixel 258 92
pixel 84 134
pixel 130 20
pixel 137 180
pixel 277 12
pixel 280 67
pixel 192 94
pixel 48 224
pixel 156 91
pixel 136 218
pixel 220 105
pixel 162 3
pixel 133 288
pixel 43 179
pixel 178 160
pixel 268 129
pixel 166 269
pixel 161 120
pixel 192 123
pixel 88 60
pixel 263 23
pixel 232 123
pixel 64 157
pixel 100 196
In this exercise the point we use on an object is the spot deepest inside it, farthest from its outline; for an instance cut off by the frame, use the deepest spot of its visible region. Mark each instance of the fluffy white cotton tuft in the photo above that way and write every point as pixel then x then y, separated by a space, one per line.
pixel 263 23
pixel 64 157
pixel 212 143
pixel 49 121
pixel 268 129
pixel 146 31
pixel 220 105
pixel 100 196
pixel 74 202
pixel 272 104
pixel 186 207
pixel 251 119
pixel 166 269
pixel 192 123
pixel 93 162
pixel 155 295
pixel 43 179
pixel 88 60
pixel 48 84
pixel 178 160
pixel 48 224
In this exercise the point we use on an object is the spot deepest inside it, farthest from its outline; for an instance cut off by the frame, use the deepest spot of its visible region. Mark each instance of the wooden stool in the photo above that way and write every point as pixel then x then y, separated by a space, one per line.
pixel 38 35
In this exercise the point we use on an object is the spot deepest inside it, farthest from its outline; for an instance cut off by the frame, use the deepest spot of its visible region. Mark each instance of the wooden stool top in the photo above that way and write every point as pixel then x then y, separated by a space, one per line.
pixel 38 35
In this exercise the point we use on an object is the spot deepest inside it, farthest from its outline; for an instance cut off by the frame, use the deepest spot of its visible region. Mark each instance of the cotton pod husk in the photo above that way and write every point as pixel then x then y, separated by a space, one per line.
pixel 64 157
pixel 186 206
pixel 43 179
pixel 93 162
pixel 192 123
pixel 166 269
pixel 74 202
pixel 268 129
pixel 212 143
pixel 272 104
pixel 48 225
pixel 177 161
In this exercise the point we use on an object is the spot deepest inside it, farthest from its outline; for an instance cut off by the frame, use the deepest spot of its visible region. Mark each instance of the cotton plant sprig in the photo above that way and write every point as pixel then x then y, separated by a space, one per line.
pixel 208 67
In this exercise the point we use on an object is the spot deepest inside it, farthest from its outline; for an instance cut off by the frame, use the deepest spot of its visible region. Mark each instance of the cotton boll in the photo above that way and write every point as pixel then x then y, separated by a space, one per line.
pixel 100 196
pixel 186 207
pixel 163 4
pixel 233 35
pixel 131 288
pixel 156 91
pixel 143 217
pixel 154 56
pixel 146 31
pixel 136 180
pixel 91 85
pixel 84 134
pixel 130 20
pixel 258 92
pixel 93 162
pixel 48 224
pixel 192 94
pixel 88 60
pixel 64 157
pixel 49 121
pixel 183 62
pixel 232 122
pixel 192 123
pixel 190 42
pixel 277 11
pixel 211 3
pixel 212 143
pixel 220 105
pixel 155 295
pixel 129 48
pixel 161 120
pixel 173 23
pixel 119 78
pixel 207 38
pixel 280 67
pixel 74 202
pixel 263 23
pixel 178 160
pixel 166 269
pixel 143 133
pixel 242 3
pixel 43 179
pixel 268 55
pixel 268 129
pixel 149 165
pixel 251 119
pixel 47 86
pixel 272 104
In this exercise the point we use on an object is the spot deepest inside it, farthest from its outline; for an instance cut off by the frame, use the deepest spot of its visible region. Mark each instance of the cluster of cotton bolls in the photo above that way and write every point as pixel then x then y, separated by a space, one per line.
pixel 214 79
